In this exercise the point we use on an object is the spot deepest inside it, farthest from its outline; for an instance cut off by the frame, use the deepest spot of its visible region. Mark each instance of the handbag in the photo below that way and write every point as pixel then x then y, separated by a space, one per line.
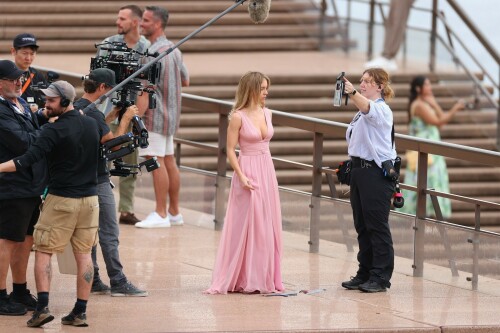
pixel 343 172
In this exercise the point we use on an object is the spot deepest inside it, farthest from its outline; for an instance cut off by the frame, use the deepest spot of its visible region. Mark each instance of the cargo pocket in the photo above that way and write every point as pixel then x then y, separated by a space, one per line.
pixel 65 207
pixel 41 235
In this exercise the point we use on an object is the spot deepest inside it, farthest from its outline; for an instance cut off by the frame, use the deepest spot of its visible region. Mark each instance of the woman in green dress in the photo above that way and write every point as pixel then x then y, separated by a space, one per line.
pixel 425 118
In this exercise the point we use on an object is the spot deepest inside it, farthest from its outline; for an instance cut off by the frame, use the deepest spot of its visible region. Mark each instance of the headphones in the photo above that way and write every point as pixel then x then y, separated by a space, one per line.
pixel 64 102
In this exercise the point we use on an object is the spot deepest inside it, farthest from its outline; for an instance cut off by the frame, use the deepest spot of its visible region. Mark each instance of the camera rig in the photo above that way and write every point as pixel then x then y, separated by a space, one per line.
pixel 124 62
pixel 127 144
pixel 39 98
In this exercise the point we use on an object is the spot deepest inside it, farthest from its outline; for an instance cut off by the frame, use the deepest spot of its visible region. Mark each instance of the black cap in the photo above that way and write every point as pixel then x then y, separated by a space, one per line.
pixel 103 75
pixel 23 40
pixel 9 70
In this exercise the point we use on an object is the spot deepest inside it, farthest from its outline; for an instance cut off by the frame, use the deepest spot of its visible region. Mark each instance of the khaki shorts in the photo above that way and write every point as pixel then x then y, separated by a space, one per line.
pixel 64 220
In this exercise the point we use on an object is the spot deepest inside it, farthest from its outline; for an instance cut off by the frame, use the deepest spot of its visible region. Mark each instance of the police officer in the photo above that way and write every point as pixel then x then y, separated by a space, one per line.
pixel 370 139
pixel 24 49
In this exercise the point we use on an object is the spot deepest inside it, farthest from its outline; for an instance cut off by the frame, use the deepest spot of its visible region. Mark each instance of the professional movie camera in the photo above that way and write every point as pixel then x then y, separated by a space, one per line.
pixel 39 98
pixel 51 77
pixel 125 61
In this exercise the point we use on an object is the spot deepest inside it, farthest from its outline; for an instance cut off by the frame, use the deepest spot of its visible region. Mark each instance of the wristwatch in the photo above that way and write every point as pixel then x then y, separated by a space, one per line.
pixel 354 92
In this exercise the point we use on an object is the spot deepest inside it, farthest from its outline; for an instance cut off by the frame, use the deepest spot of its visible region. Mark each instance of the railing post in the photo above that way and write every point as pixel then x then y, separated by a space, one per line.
pixel 317 177
pixel 322 20
pixel 178 154
pixel 432 61
pixel 475 249
pixel 419 252
pixel 370 29
pixel 220 183
pixel 498 114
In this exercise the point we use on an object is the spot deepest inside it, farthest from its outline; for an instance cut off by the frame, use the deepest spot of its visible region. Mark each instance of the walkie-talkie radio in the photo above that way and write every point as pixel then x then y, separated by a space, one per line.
pixel 340 91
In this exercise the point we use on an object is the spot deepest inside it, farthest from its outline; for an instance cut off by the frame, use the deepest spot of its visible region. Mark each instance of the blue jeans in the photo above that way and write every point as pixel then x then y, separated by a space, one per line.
pixel 108 236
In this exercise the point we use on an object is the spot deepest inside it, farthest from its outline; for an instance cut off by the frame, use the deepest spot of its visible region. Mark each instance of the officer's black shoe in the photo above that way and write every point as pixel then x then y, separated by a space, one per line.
pixel 372 287
pixel 353 283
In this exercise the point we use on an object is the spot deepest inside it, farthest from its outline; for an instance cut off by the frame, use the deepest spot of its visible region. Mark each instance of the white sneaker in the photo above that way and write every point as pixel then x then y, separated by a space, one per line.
pixel 154 220
pixel 175 219
pixel 382 62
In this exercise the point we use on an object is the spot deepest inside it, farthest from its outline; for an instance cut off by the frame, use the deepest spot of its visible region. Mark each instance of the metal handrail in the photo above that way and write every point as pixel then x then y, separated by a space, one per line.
pixel 472 27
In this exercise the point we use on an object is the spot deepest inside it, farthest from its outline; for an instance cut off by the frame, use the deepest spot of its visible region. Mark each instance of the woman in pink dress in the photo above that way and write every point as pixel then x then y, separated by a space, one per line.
pixel 249 254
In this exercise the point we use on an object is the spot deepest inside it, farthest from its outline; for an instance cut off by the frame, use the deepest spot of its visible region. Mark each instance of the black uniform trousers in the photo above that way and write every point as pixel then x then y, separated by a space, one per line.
pixel 370 197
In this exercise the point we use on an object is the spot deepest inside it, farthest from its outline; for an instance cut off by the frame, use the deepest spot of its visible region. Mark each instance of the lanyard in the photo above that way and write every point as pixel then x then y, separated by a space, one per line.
pixel 27 83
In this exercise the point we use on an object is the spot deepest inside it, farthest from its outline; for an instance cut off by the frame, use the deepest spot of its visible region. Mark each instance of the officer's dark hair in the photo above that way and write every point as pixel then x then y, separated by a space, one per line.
pixel 159 13
pixel 136 10
pixel 417 82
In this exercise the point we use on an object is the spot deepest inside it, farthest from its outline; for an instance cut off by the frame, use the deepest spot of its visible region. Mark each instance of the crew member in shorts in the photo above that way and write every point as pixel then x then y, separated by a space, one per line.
pixel 70 213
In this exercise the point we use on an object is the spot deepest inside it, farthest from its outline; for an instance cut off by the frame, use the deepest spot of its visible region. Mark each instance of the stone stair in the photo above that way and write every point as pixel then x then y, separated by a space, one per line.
pixel 75 26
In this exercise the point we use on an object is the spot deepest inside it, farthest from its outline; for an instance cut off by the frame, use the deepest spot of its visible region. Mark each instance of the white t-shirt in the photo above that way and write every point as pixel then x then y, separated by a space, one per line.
pixel 369 135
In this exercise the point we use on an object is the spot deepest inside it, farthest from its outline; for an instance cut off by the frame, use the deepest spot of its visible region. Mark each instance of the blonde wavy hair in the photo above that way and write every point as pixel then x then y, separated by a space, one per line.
pixel 381 77
pixel 248 91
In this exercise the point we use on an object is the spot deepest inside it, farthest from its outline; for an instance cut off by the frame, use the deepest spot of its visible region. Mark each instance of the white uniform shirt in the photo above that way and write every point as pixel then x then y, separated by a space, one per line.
pixel 369 135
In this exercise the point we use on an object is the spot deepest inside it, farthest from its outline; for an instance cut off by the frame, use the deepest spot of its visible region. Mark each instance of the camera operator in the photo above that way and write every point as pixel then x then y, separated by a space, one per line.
pixel 70 212
pixel 162 122
pixel 19 193
pixel 99 82
pixel 24 51
pixel 127 23
pixel 370 140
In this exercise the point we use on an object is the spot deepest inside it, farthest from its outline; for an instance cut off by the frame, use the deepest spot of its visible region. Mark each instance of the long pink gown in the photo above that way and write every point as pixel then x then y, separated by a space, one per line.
pixel 249 254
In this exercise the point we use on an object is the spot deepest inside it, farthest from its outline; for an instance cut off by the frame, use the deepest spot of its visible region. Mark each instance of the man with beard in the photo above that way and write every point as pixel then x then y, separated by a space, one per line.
pixel 70 212
pixel 19 193
pixel 127 23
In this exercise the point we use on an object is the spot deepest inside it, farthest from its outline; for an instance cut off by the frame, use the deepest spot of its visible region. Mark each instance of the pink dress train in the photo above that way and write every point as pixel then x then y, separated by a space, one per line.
pixel 249 255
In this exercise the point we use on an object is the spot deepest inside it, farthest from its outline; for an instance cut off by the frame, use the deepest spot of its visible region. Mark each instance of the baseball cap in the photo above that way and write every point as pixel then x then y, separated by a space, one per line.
pixel 23 40
pixel 9 70
pixel 103 75
pixel 60 88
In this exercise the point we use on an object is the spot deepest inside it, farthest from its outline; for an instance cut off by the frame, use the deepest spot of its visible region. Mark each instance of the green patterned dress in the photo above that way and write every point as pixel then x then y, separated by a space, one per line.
pixel 437 174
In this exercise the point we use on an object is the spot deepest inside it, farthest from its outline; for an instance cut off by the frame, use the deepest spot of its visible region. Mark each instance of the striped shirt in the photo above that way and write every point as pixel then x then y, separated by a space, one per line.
pixel 165 118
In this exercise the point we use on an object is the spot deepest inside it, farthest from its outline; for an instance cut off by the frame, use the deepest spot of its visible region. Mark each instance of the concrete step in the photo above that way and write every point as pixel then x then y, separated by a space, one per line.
pixel 94 7
pixel 179 19
pixel 319 90
pixel 470 117
pixel 327 78
pixel 194 45
pixel 96 34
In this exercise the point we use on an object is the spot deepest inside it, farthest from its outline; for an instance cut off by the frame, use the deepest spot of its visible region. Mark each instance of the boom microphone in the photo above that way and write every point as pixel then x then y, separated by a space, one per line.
pixel 259 10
